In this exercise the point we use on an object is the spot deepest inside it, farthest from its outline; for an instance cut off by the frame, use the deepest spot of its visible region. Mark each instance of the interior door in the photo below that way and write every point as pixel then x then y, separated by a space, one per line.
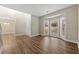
pixel 54 27
pixel 62 27
pixel 46 27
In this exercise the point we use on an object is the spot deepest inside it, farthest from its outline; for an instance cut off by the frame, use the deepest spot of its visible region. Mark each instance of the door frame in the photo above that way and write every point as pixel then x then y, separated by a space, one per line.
pixel 59 15
pixel 63 37
pixel 58 22
pixel 44 27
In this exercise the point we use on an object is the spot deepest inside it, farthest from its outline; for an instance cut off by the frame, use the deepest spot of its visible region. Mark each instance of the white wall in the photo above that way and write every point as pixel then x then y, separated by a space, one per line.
pixel 70 14
pixel 34 25
pixel 7 13
pixel 22 20
pixel 25 24
pixel 7 26
pixel 7 21
pixel 18 17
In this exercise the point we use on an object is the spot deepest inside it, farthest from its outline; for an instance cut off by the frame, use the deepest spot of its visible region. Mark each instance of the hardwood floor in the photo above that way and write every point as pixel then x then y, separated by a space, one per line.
pixel 37 45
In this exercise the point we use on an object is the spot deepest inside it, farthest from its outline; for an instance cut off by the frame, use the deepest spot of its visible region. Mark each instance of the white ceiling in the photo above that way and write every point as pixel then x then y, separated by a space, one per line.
pixel 37 9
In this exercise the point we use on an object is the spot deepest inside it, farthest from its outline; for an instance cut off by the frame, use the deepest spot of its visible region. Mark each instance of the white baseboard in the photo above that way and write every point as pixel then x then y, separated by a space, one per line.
pixel 66 40
pixel 8 33
pixel 70 41
pixel 35 35
pixel 27 35
pixel 19 34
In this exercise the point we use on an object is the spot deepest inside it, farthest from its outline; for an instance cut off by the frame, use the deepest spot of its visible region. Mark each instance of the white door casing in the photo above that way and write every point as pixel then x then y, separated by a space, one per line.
pixel 54 27
pixel 46 27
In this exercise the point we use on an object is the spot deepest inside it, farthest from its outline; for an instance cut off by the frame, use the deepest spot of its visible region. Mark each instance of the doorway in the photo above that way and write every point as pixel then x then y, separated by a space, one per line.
pixel 55 27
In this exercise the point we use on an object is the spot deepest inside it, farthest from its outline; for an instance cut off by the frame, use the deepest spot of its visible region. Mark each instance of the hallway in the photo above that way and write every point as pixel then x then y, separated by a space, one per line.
pixel 37 45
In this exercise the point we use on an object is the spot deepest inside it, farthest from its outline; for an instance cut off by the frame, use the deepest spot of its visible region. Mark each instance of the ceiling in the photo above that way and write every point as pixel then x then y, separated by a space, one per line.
pixel 37 9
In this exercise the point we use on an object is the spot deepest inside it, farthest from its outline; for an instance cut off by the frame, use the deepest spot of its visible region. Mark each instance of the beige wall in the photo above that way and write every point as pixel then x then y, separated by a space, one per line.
pixel 78 26
pixel 70 14
pixel 19 25
pixel 28 24
pixel 34 25
pixel 22 24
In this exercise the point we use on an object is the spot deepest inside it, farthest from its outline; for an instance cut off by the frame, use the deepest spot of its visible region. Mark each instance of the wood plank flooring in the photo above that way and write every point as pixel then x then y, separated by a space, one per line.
pixel 37 45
